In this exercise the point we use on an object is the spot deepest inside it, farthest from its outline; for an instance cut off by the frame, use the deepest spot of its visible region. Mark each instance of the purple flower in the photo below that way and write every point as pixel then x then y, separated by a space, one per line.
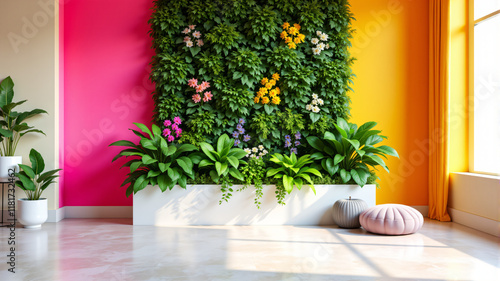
pixel 167 123
pixel 241 131
pixel 236 134
pixel 246 138
pixel 293 150
pixel 298 136
pixel 287 137
pixel 239 127
pixel 288 143
pixel 177 120
pixel 236 142
pixel 297 143
pixel 241 121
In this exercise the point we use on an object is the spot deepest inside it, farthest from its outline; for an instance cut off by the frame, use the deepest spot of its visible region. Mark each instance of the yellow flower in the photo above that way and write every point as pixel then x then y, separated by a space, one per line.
pixel 297 26
pixel 296 40
pixel 278 91
pixel 276 76
pixel 264 81
pixel 265 100
pixel 259 94
pixel 269 86
pixel 263 90
pixel 288 40
pixel 272 82
pixel 284 35
pixel 301 37
pixel 286 25
pixel 292 45
pixel 293 31
pixel 256 100
pixel 276 100
pixel 272 93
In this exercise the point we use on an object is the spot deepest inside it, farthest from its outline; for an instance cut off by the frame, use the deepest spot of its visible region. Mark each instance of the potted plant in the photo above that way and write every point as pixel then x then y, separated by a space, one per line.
pixel 155 162
pixel 32 211
pixel 12 128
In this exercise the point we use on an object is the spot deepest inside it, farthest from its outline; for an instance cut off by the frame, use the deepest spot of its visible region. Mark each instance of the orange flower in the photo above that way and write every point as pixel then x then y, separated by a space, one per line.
pixel 278 91
pixel 288 40
pixel 293 31
pixel 276 76
pixel 301 37
pixel 283 35
pixel 276 100
pixel 296 40
pixel 259 95
pixel 264 81
pixel 272 93
pixel 286 25
pixel 272 82
pixel 263 90
pixel 265 100
pixel 256 100
pixel 292 45
pixel 269 86
pixel 297 26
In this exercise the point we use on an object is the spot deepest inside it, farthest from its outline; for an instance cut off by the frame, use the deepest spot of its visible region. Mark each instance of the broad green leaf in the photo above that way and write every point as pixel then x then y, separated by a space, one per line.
pixel 315 142
pixel 237 152
pixel 27 183
pixel 388 150
pixel 147 160
pixel 354 143
pixel 204 163
pixel 356 177
pixel 186 164
pixel 123 143
pixel 164 146
pixel 207 149
pixel 162 182
pixel 36 160
pixel 182 181
pixel 171 150
pixel 236 174
pixel 338 158
pixel 29 172
pixel 346 176
pixel 144 129
pixel 233 161
pixel 6 91
pixel 135 165
pixel 152 174
pixel 163 167
pixel 45 175
pixel 288 183
pixel 340 130
pixel 343 124
pixel 148 144
pixel 298 182
pixel 138 183
pixel 272 172
pixel 173 174
pixel 156 131
pixel 221 142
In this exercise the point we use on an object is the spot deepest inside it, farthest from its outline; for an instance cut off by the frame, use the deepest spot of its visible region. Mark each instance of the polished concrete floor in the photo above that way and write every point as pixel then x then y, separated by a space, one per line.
pixel 113 249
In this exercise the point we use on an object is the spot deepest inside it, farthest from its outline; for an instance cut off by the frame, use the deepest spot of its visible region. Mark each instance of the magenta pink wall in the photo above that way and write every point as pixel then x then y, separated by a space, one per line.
pixel 107 50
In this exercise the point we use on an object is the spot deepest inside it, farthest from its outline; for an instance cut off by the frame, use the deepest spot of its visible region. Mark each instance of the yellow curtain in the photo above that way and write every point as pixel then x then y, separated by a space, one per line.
pixel 439 56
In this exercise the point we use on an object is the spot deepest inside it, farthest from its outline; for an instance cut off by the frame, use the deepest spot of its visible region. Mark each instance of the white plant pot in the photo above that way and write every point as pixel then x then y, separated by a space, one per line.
pixel 9 163
pixel 32 213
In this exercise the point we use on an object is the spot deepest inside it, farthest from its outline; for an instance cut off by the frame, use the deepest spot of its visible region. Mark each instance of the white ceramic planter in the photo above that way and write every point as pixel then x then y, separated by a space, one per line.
pixel 199 205
pixel 32 213
pixel 9 162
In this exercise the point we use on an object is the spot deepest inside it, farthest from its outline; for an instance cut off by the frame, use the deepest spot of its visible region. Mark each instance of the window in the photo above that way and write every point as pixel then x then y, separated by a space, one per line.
pixel 485 116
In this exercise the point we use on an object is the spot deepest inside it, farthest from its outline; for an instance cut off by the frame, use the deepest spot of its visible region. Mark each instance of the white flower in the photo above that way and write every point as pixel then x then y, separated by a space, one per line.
pixel 314 102
pixel 316 51
pixel 265 152
pixel 315 96
pixel 261 147
pixel 315 41
pixel 319 33
pixel 261 154
pixel 248 150
pixel 315 109
pixel 189 44
pixel 321 46
pixel 186 30
pixel 327 46
pixel 255 150
pixel 323 37
pixel 320 102
pixel 309 107
pixel 197 34
pixel 252 156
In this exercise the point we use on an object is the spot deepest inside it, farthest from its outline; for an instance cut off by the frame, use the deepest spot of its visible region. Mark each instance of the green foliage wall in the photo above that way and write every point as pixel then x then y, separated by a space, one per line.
pixel 242 42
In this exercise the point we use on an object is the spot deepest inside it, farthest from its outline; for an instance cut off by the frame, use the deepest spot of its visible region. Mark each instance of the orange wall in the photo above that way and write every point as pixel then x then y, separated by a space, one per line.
pixel 391 88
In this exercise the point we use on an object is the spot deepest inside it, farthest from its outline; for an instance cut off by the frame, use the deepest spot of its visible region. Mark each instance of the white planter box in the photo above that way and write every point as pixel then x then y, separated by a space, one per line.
pixel 199 205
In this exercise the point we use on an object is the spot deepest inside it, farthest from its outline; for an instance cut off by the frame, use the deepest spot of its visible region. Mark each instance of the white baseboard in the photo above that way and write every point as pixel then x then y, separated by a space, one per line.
pixel 97 212
pixel 423 209
pixel 474 221
pixel 56 215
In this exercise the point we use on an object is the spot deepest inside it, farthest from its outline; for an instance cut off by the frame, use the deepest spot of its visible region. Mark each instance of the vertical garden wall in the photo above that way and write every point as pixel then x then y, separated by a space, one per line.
pixel 259 70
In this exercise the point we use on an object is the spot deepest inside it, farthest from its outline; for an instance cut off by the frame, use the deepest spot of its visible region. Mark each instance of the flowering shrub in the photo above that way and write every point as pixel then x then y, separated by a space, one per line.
pixel 291 35
pixel 172 128
pixel 268 90
pixel 192 37
pixel 319 42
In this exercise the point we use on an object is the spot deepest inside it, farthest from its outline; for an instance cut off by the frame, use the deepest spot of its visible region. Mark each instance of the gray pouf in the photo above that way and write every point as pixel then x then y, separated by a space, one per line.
pixel 346 212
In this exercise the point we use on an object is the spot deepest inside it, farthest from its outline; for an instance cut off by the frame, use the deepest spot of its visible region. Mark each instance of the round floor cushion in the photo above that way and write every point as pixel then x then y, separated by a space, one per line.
pixel 391 219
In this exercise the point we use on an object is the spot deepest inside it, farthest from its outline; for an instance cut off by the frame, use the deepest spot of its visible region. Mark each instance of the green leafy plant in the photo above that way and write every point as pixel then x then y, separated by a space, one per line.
pixel 32 180
pixel 350 151
pixel 155 162
pixel 224 162
pixel 13 126
pixel 293 171
pixel 254 172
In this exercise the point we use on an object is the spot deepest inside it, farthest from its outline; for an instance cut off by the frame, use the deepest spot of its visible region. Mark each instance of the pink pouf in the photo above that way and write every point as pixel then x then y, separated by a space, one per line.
pixel 391 219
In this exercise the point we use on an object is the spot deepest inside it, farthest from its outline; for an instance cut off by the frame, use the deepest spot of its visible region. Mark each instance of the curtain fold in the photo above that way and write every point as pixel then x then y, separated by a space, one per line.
pixel 439 56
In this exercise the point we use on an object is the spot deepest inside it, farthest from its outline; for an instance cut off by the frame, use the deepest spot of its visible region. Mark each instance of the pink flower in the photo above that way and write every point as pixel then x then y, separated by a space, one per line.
pixel 186 30
pixel 196 98
pixel 205 85
pixel 175 127
pixel 177 120
pixel 200 88
pixel 199 43
pixel 189 44
pixel 192 82
pixel 192 26
pixel 208 96
pixel 170 138
pixel 167 123
pixel 197 34
pixel 178 133
pixel 187 38
pixel 166 132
